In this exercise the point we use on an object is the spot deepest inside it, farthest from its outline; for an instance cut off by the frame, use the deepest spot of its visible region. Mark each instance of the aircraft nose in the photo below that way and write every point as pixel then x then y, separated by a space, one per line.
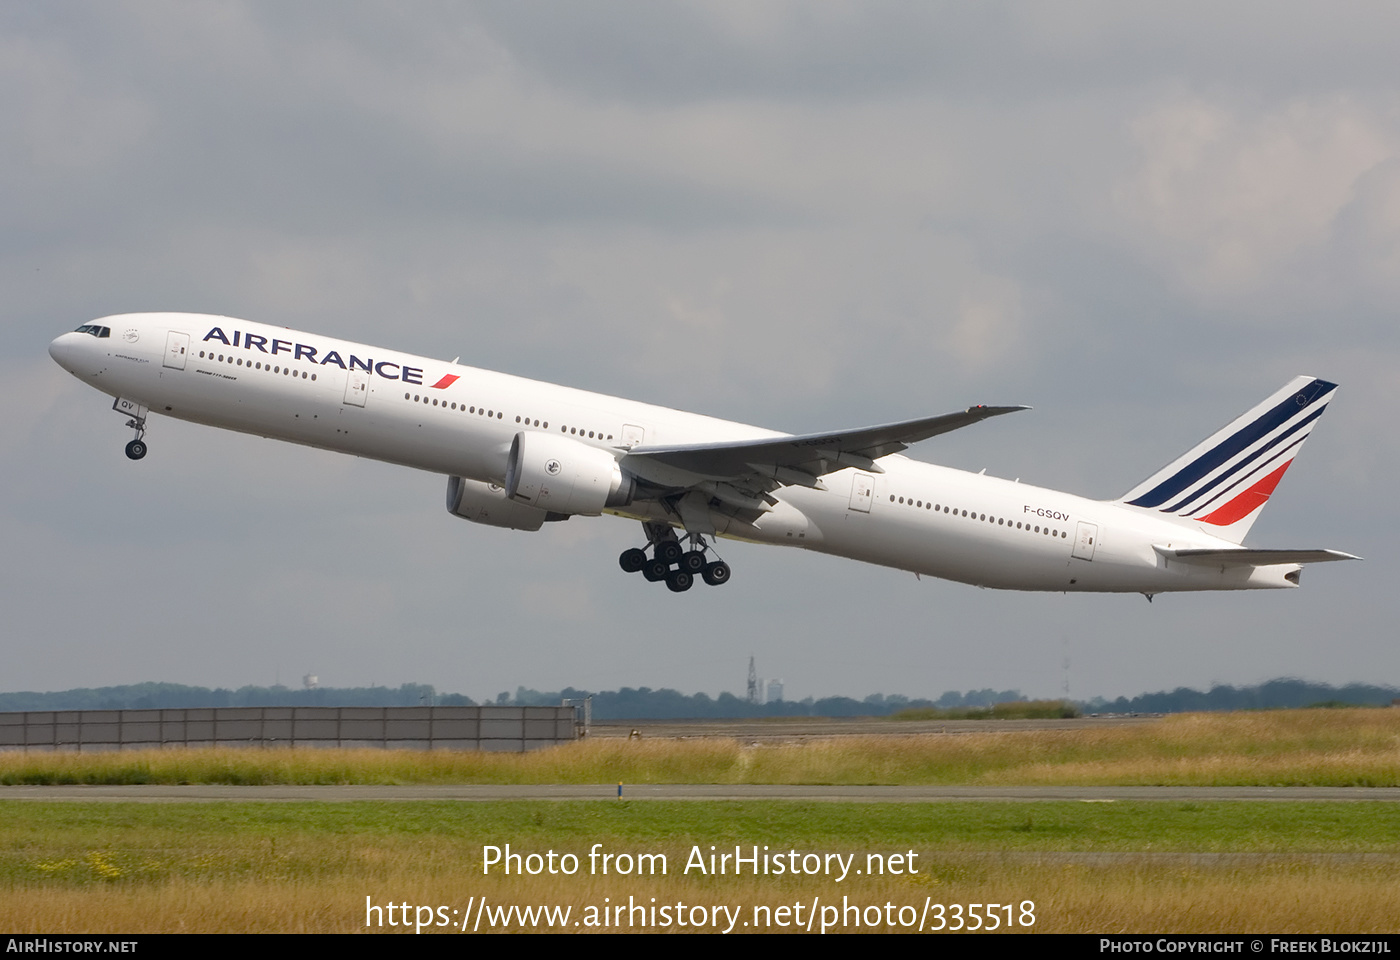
pixel 64 350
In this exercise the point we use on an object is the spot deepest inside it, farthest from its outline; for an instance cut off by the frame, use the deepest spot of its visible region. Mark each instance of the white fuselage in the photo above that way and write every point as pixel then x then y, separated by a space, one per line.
pixel 460 421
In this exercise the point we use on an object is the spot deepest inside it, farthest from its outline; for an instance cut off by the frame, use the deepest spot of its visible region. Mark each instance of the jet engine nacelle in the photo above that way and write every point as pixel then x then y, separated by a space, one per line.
pixel 561 475
pixel 487 503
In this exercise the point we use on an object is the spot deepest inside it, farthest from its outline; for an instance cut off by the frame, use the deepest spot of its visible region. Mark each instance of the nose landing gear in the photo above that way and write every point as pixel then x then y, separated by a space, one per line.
pixel 136 449
pixel 671 562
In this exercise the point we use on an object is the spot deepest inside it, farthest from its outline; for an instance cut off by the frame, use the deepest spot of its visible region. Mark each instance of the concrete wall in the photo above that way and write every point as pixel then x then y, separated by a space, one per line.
pixel 404 728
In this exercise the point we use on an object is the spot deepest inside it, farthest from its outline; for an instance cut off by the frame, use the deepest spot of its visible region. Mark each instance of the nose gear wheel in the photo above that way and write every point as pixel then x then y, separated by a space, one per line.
pixel 136 449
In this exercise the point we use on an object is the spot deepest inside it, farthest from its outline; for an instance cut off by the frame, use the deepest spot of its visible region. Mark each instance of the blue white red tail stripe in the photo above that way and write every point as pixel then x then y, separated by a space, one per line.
pixel 1247 502
pixel 1224 480
pixel 1221 450
pixel 1285 455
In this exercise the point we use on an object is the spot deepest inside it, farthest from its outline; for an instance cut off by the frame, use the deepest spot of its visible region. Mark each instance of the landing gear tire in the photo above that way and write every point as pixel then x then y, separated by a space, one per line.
pixel 136 449
pixel 656 570
pixel 669 551
pixel 693 562
pixel 632 560
pixel 716 573
pixel 678 581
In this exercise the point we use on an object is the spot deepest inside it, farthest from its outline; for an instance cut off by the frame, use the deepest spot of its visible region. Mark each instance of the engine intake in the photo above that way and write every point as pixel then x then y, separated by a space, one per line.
pixel 487 503
pixel 561 475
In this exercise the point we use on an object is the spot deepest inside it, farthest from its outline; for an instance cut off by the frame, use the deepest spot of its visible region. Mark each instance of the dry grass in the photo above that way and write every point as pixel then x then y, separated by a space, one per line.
pixel 1356 747
pixel 268 867
pixel 1283 896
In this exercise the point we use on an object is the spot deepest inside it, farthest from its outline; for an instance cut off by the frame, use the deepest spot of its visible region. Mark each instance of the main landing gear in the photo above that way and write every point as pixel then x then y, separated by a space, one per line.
pixel 673 563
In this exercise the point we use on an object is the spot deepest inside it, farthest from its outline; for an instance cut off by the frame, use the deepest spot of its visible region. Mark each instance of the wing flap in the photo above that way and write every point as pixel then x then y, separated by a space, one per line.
pixel 813 454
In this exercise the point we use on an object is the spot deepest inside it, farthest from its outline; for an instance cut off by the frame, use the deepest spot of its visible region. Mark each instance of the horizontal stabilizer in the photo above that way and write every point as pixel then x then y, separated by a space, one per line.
pixel 1251 558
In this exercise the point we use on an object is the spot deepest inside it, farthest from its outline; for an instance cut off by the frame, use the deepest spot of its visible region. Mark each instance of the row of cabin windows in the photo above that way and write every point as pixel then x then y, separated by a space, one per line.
pixel 480 411
pixel 417 398
pixel 258 365
pixel 999 521
pixel 591 435
pixel 496 414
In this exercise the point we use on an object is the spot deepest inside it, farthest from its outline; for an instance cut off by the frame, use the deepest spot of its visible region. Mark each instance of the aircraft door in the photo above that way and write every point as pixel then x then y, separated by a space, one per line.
pixel 177 349
pixel 357 388
pixel 632 435
pixel 862 492
pixel 1084 539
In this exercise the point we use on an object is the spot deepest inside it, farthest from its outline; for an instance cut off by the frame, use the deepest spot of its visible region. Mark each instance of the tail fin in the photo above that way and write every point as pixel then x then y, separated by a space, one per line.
pixel 1225 481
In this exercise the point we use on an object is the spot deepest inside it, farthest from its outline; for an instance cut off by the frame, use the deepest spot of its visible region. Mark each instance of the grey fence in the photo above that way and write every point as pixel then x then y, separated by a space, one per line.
pixel 403 728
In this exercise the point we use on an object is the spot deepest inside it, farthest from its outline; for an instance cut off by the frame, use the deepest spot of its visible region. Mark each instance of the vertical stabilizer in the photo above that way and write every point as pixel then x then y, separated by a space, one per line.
pixel 1224 482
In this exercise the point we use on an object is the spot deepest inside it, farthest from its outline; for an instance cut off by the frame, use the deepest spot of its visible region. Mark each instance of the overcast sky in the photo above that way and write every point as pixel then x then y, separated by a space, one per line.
pixel 1139 219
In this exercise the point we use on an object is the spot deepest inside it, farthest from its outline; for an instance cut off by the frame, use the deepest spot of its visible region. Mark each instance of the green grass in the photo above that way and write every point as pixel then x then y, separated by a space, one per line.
pixel 66 843
pixel 1014 710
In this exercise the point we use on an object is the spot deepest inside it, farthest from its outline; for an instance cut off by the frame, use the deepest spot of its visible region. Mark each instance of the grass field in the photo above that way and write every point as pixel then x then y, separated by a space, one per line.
pixel 1278 748
pixel 1152 867
pixel 308 867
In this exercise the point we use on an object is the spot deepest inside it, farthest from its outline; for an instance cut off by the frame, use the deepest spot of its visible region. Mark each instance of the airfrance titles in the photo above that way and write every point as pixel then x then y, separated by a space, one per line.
pixel 308 352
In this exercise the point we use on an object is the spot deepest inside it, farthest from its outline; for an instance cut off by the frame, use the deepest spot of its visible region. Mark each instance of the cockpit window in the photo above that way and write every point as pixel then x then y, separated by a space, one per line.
pixel 95 330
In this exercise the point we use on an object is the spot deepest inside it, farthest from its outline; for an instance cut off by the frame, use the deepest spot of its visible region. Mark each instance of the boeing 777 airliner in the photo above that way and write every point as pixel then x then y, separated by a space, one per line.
pixel 519 453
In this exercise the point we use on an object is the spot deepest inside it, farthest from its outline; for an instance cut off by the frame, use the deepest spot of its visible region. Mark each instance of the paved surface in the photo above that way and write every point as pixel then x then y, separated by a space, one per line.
pixel 868 794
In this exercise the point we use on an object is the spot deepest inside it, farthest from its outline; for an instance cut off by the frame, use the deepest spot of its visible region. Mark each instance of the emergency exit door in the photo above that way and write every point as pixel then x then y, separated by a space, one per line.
pixel 357 388
pixel 1084 539
pixel 177 349
pixel 862 492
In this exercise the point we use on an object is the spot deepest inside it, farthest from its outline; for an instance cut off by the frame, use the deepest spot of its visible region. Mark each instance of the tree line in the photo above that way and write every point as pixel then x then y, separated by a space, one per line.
pixel 630 703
